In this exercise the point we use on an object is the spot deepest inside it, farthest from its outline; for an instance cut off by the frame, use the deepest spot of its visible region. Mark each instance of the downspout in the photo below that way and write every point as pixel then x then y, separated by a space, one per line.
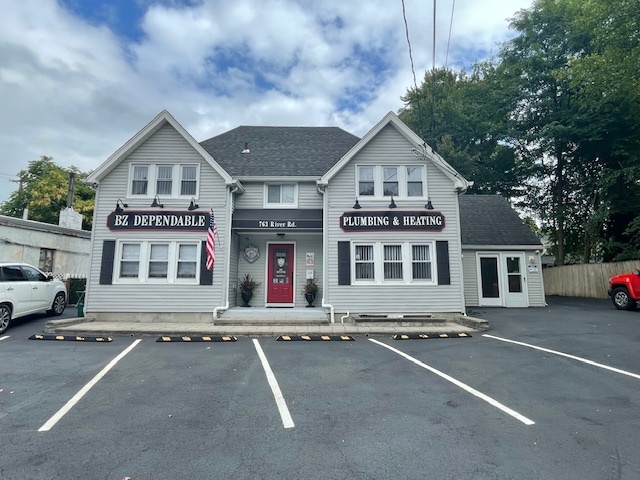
pixel 464 303
pixel 217 310
pixel 325 248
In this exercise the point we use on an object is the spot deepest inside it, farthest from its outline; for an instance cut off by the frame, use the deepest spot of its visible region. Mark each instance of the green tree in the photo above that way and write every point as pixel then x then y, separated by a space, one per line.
pixel 43 190
pixel 458 116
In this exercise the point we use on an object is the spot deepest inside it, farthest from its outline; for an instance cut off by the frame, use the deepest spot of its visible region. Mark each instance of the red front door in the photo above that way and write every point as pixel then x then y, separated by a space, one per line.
pixel 280 278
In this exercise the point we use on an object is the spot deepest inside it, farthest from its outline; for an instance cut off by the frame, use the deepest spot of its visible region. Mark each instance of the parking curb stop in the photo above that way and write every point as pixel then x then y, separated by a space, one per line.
pixel 70 338
pixel 424 336
pixel 204 338
pixel 311 338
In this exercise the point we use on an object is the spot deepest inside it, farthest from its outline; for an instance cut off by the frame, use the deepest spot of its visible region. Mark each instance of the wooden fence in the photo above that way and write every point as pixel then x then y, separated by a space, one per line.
pixel 584 280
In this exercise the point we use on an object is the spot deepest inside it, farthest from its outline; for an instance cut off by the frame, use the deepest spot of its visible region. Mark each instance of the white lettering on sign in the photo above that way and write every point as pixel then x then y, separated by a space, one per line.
pixel 378 221
pixel 422 220
pixel 121 221
pixel 161 220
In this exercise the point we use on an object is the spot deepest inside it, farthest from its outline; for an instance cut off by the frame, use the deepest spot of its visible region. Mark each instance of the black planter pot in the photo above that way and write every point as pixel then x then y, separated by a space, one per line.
pixel 246 298
pixel 310 297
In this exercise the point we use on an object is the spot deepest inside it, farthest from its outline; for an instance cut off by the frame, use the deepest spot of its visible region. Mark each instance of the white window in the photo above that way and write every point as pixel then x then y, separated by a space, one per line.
pixel 400 263
pixel 415 181
pixel 391 181
pixel 150 180
pixel 158 262
pixel 139 185
pixel 281 195
pixel 187 261
pixel 188 180
pixel 364 262
pixel 421 262
pixel 164 185
pixel 130 260
pixel 392 262
pixel 365 180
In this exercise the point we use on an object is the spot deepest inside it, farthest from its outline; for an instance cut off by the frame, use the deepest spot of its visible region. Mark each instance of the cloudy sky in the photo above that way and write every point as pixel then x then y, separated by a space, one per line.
pixel 78 78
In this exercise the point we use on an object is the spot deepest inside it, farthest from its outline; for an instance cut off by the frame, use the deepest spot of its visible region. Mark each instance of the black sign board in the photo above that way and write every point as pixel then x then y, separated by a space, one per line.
pixel 427 221
pixel 132 220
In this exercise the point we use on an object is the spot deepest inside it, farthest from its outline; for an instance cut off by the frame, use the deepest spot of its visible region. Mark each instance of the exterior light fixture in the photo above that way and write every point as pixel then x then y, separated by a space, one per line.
pixel 120 206
pixel 193 205
pixel 280 235
pixel 429 205
pixel 156 202
pixel 392 204
pixel 357 206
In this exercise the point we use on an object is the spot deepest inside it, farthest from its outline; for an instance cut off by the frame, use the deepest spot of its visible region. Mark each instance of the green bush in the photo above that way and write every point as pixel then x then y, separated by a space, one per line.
pixel 76 287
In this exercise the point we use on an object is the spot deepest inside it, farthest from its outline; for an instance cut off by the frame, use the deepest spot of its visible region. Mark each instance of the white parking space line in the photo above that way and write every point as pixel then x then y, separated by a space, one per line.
pixel 573 357
pixel 287 421
pixel 76 398
pixel 5 337
pixel 465 387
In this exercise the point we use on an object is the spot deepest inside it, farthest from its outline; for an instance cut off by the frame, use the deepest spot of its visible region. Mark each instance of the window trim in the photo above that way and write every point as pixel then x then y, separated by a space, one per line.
pixel 145 259
pixel 268 204
pixel 152 180
pixel 403 181
pixel 407 263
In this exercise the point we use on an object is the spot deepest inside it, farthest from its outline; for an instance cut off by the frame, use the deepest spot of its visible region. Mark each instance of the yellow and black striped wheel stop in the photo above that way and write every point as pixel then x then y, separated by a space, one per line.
pixel 424 336
pixel 314 338
pixel 70 338
pixel 199 338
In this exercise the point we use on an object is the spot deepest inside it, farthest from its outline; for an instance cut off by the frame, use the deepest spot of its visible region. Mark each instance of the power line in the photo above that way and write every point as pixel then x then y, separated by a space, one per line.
pixel 406 29
pixel 446 61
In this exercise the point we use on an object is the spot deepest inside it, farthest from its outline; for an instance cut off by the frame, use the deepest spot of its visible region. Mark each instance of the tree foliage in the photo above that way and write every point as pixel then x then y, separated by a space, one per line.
pixel 552 122
pixel 43 190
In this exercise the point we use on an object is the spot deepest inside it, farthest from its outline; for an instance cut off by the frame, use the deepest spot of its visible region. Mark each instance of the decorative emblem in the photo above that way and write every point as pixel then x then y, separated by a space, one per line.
pixel 251 253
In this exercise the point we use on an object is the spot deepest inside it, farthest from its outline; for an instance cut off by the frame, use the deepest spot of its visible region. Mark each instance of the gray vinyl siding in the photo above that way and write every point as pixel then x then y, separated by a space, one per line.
pixel 391 147
pixel 304 243
pixel 253 197
pixel 166 145
pixel 470 278
pixel 535 281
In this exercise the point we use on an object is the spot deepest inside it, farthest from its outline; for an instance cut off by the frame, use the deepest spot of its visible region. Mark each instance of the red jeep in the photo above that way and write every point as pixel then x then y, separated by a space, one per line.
pixel 624 290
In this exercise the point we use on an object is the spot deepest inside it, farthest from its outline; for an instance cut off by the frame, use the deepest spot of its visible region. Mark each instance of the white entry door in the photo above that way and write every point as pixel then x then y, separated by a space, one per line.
pixel 516 291
pixel 502 280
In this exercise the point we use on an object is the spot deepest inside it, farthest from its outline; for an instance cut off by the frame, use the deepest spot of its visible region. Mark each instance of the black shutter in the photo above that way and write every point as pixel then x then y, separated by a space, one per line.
pixel 206 276
pixel 106 267
pixel 344 263
pixel 442 252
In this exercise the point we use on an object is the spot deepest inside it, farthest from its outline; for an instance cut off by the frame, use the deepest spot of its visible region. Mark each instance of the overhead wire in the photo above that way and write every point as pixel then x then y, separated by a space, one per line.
pixel 446 61
pixel 406 30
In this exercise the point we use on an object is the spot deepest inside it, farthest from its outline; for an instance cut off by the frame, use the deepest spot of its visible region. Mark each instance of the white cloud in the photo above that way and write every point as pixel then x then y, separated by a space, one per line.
pixel 76 91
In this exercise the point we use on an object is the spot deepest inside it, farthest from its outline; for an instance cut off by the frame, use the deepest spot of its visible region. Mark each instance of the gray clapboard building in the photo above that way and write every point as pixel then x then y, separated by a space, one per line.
pixel 381 223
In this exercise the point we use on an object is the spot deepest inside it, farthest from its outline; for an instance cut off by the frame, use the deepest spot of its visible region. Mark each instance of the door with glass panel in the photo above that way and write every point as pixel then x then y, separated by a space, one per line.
pixel 489 280
pixel 516 281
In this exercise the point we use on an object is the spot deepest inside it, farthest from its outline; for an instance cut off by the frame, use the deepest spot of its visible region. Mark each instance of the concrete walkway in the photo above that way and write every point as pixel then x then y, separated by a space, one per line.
pixel 255 326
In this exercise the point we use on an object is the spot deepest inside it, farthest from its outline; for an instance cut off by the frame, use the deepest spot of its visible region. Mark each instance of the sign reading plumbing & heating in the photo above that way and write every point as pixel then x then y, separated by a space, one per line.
pixel 391 221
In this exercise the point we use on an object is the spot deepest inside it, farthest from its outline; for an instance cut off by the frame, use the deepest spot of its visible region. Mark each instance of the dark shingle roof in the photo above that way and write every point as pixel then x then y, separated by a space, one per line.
pixel 490 220
pixel 280 151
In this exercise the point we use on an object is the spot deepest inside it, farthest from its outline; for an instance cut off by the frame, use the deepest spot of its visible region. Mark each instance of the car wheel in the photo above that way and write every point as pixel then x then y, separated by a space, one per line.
pixel 5 317
pixel 621 299
pixel 58 305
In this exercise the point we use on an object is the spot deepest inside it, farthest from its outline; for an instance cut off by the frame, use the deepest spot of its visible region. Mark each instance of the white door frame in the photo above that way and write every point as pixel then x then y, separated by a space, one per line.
pixel 505 298
pixel 266 274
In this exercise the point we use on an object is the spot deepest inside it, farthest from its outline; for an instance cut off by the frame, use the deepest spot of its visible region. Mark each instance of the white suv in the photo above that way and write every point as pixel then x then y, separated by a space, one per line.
pixel 25 290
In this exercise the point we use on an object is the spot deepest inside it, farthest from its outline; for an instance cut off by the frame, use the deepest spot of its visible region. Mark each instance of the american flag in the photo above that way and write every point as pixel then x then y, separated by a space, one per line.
pixel 212 232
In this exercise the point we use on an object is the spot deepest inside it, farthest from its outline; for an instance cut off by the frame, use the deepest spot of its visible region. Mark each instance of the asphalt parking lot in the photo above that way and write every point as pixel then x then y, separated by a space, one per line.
pixel 547 393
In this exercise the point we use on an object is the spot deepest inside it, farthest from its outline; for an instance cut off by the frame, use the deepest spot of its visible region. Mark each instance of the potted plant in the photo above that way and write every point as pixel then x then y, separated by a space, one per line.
pixel 310 291
pixel 247 285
